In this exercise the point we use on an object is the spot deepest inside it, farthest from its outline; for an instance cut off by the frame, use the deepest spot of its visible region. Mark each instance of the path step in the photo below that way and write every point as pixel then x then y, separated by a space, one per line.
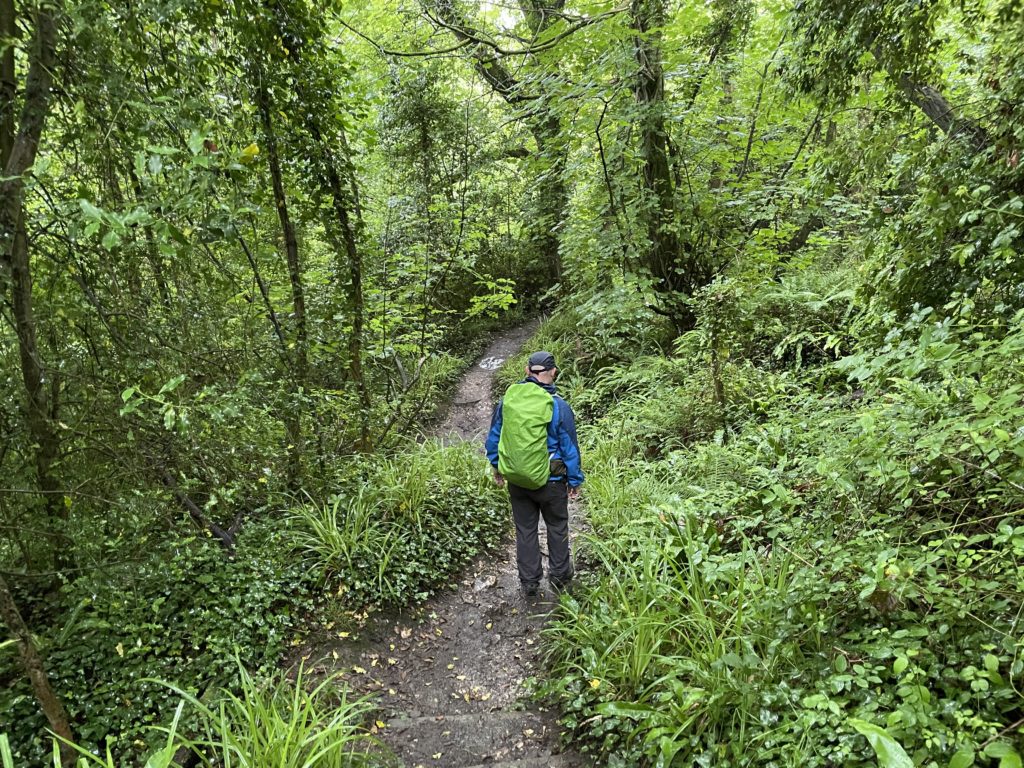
pixel 512 739
pixel 552 761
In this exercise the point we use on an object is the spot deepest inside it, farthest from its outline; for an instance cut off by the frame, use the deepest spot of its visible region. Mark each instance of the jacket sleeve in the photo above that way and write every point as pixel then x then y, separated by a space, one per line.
pixel 568 445
pixel 494 436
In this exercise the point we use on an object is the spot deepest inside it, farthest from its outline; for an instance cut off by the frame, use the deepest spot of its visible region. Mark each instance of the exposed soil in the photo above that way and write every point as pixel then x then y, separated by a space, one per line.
pixel 450 675
pixel 469 416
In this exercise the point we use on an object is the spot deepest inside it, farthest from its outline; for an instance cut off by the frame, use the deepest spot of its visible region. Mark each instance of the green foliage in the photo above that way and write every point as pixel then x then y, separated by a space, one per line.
pixel 278 722
pixel 786 238
pixel 398 527
pixel 889 752
pixel 162 758
pixel 175 614
pixel 270 721
pixel 837 559
pixel 946 224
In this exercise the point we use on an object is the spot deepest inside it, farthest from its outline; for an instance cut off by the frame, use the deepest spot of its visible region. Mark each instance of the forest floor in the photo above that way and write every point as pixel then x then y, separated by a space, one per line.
pixel 450 676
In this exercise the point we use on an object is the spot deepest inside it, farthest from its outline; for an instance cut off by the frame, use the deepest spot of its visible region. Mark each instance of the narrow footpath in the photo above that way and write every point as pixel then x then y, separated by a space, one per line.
pixel 450 675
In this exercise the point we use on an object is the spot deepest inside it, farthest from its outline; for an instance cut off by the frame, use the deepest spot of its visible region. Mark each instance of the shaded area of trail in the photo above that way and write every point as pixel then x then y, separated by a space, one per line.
pixel 450 675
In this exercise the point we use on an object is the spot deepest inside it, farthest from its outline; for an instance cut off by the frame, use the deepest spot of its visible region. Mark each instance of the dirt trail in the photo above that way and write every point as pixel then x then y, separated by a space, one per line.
pixel 450 675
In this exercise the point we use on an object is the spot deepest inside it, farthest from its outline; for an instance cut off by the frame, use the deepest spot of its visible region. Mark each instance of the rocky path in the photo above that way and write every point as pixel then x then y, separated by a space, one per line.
pixel 450 675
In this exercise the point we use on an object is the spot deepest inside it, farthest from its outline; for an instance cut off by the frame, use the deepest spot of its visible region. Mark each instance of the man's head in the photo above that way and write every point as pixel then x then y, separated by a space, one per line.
pixel 541 366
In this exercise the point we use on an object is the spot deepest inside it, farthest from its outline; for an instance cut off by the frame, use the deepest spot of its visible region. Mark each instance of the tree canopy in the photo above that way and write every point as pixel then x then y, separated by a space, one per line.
pixel 245 248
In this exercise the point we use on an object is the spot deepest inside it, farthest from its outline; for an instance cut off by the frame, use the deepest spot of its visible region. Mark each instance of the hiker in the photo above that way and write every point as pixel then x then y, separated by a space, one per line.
pixel 533 448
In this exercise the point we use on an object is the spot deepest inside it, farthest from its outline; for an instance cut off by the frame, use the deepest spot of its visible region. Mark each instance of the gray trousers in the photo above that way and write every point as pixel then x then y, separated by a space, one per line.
pixel 551 501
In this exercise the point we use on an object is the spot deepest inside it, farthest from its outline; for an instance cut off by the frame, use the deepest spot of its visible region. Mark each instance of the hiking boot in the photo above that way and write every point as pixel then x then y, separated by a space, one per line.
pixel 531 590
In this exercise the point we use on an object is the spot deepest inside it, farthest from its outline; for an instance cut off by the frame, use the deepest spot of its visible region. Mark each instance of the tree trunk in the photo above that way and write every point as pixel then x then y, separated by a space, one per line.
pixel 15 268
pixel 649 89
pixel 546 128
pixel 32 663
pixel 941 112
pixel 293 414
pixel 8 82
pixel 551 193
pixel 934 105
pixel 347 231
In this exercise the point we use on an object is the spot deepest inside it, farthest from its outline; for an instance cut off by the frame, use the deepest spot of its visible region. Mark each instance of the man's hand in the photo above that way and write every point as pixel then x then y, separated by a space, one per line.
pixel 499 479
pixel 574 493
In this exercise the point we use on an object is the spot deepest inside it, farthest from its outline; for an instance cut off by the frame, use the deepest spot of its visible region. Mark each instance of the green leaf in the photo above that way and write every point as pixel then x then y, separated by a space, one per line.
pixel 1008 756
pixel 964 758
pixel 90 211
pixel 172 384
pixel 195 142
pixel 111 240
pixel 127 394
pixel 900 665
pixel 161 759
pixel 991 662
pixel 889 752
pixel 624 709
pixel 5 752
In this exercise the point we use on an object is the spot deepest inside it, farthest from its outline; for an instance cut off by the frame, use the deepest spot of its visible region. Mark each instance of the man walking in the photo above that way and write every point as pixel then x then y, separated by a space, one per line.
pixel 532 446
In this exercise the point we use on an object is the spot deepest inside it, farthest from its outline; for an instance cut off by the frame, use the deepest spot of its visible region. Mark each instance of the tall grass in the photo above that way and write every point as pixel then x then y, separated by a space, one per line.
pixel 398 525
pixel 348 535
pixel 273 723
pixel 279 724
pixel 673 637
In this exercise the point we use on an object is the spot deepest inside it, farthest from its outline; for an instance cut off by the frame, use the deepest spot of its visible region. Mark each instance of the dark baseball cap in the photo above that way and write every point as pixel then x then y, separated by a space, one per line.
pixel 541 361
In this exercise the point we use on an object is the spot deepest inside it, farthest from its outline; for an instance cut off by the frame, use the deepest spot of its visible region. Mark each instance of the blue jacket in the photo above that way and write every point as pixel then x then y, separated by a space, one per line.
pixel 562 442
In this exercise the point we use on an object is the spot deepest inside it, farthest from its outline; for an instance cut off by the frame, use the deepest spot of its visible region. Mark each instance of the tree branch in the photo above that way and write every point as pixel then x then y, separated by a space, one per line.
pixel 408 54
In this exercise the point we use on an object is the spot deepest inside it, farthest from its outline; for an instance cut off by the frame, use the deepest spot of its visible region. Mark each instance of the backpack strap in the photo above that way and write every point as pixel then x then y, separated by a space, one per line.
pixel 556 416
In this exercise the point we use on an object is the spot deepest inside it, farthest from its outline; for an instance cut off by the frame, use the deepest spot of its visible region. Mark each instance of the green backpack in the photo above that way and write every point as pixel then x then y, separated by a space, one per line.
pixel 526 412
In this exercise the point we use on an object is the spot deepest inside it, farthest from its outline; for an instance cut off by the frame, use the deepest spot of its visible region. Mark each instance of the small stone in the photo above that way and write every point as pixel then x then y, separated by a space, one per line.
pixel 484 582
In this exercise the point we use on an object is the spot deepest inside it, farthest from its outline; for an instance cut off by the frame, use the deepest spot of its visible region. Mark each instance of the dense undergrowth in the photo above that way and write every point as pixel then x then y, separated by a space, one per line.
pixel 798 541
pixel 395 527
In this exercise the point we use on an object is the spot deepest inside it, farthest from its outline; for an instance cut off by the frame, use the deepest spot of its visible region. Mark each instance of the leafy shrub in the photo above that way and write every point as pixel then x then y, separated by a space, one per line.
pixel 176 615
pixel 278 723
pixel 400 526
pixel 269 722
pixel 800 318
pixel 838 578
